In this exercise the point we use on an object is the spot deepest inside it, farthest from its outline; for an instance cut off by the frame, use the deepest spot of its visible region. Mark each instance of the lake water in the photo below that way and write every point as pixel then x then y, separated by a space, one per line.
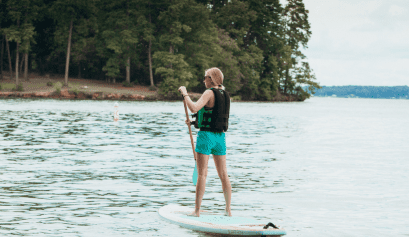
pixel 323 167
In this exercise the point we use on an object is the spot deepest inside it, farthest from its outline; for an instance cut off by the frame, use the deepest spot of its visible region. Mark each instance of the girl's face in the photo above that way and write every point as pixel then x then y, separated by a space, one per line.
pixel 208 81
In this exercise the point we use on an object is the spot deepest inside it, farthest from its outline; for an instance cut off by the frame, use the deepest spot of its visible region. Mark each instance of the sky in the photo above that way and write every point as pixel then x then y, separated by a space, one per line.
pixel 359 42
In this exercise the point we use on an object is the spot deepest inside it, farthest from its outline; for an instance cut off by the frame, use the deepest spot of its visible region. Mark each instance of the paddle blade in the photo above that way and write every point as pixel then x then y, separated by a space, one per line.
pixel 194 177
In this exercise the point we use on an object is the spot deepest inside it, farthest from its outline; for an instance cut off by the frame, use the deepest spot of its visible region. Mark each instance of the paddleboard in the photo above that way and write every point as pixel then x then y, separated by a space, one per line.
pixel 213 222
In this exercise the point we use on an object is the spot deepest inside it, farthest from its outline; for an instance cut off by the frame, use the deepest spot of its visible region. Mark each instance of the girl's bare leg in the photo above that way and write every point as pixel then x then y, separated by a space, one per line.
pixel 202 161
pixel 220 162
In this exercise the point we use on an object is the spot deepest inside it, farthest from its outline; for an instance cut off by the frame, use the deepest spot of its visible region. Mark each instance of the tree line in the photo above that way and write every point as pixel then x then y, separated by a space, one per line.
pixel 163 43
pixel 387 92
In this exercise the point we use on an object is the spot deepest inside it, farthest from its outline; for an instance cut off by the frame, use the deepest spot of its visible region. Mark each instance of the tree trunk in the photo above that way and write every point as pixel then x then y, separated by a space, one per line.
pixel 26 67
pixel 79 70
pixel 17 58
pixel 8 51
pixel 67 63
pixel 2 54
pixel 128 62
pixel 150 51
pixel 286 79
pixel 150 62
pixel 25 58
pixel 17 55
pixel 128 70
pixel 21 64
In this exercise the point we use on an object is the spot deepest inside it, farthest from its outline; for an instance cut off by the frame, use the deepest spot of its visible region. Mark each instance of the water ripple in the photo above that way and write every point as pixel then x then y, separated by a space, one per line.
pixel 68 169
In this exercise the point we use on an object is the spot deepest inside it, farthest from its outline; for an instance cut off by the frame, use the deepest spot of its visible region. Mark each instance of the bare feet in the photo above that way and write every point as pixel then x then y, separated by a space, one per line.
pixel 227 213
pixel 194 213
pixel 197 214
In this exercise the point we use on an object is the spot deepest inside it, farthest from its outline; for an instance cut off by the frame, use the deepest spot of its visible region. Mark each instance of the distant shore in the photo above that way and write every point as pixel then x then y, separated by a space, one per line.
pixel 372 92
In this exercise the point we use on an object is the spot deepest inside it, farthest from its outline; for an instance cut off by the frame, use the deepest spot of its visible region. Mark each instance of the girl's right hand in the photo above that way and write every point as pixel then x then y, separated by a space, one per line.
pixel 187 121
pixel 183 90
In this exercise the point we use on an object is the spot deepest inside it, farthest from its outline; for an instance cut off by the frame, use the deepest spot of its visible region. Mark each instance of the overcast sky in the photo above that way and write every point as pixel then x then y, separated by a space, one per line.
pixel 359 42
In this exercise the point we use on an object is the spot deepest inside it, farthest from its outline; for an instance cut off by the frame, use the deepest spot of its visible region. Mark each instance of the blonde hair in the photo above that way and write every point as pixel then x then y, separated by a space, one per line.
pixel 216 75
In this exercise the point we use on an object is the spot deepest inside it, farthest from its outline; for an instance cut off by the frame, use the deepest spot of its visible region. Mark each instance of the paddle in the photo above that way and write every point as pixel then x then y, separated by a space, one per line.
pixel 194 177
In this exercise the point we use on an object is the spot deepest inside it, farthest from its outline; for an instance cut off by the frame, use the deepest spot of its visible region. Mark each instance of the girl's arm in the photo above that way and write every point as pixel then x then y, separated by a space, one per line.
pixel 194 107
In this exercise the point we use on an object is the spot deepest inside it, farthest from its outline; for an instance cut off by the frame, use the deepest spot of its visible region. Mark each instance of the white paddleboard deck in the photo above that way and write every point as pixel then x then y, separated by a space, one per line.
pixel 212 222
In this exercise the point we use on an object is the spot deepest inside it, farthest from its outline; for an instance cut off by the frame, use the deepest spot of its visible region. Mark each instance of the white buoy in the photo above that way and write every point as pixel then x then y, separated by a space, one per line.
pixel 116 112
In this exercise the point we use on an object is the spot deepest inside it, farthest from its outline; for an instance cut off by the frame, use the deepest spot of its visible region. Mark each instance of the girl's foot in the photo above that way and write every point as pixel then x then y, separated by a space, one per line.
pixel 194 214
pixel 227 213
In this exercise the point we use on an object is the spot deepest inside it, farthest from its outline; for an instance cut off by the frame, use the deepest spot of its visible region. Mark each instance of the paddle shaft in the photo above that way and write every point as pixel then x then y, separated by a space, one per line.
pixel 190 129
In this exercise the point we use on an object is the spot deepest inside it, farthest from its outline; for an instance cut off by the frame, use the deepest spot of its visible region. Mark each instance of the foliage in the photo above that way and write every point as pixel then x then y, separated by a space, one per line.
pixel 235 98
pixel 170 64
pixel 174 75
pixel 304 76
pixel 21 15
pixel 58 87
pixel 118 33
pixel 74 90
pixel 19 87
pixel 126 84
pixel 153 88
pixel 8 86
pixel 20 34
pixel 256 43
pixel 297 33
pixel 50 83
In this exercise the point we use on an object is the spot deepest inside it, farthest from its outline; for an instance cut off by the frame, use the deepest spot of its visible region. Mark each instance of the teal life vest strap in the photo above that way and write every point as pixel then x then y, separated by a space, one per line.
pixel 203 118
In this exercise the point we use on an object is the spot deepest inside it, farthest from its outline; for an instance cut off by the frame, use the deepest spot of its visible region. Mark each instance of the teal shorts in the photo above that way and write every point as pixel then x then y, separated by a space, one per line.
pixel 211 143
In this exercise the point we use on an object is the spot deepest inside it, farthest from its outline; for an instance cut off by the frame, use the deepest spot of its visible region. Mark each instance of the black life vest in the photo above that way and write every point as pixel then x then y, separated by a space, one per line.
pixel 217 118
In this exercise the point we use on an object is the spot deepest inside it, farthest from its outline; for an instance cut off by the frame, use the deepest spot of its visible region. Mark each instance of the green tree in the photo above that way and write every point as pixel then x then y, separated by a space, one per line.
pixel 297 35
pixel 205 46
pixel 305 76
pixel 226 47
pixel 266 34
pixel 83 44
pixel 168 62
pixel 45 42
pixel 21 13
pixel 256 43
pixel 119 35
pixel 67 13
pixel 146 30
pixel 255 26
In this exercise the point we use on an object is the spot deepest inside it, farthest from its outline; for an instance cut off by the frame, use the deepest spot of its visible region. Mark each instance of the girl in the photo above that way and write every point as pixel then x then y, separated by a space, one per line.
pixel 212 118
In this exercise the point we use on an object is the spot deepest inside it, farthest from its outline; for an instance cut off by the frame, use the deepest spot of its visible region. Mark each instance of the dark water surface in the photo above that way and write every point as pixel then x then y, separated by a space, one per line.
pixel 324 167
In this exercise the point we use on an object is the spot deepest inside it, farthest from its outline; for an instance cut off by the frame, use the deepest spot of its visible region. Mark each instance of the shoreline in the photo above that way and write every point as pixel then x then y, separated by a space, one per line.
pixel 87 89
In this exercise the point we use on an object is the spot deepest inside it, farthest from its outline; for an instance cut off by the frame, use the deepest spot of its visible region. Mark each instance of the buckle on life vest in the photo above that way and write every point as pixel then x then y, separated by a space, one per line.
pixel 194 122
